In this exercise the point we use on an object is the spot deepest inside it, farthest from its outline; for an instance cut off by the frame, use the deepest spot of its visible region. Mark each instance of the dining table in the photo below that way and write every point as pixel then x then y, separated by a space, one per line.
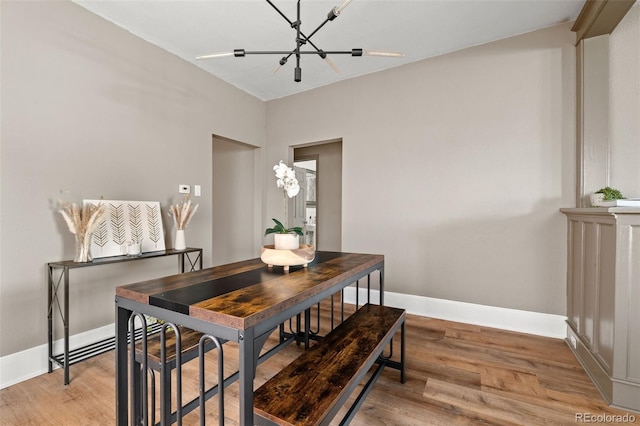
pixel 242 302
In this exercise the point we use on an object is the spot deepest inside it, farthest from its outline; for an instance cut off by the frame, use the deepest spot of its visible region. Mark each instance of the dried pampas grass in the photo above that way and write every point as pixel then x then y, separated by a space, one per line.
pixel 82 220
pixel 182 213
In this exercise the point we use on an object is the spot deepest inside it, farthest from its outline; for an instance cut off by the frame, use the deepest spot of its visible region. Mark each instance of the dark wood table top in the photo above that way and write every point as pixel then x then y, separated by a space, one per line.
pixel 242 294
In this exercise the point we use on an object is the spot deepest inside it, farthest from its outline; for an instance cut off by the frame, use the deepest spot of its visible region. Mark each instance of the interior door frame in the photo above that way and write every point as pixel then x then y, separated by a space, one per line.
pixel 316 158
pixel 329 164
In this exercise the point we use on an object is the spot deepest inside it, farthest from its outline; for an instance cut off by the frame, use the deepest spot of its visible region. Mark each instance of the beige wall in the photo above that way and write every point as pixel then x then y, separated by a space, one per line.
pixel 593 140
pixel 89 108
pixel 624 103
pixel 454 168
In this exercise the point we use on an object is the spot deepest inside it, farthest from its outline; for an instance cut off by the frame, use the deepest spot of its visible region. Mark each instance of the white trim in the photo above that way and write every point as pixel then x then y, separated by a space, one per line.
pixel 32 362
pixel 537 323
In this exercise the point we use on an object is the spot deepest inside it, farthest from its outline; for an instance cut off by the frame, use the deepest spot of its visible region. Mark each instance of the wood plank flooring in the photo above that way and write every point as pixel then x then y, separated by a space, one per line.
pixel 457 374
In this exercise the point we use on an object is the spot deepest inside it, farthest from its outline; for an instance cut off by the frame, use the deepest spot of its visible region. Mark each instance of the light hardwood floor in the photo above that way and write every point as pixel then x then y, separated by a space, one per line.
pixel 457 374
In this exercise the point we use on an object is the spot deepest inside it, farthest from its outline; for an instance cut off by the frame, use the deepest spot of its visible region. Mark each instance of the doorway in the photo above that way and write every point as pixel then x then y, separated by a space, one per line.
pixel 305 204
pixel 323 213
pixel 234 201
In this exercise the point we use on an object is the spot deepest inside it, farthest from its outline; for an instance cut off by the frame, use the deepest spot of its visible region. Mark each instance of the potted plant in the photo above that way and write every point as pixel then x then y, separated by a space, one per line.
pixel 605 194
pixel 286 250
pixel 285 238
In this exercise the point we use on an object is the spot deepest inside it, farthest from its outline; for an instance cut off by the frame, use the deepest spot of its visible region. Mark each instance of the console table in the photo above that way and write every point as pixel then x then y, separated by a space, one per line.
pixel 188 260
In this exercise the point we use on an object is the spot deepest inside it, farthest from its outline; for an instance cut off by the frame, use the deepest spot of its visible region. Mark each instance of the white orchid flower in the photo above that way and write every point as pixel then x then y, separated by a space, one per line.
pixel 281 170
pixel 292 190
pixel 286 179
pixel 290 173
pixel 292 187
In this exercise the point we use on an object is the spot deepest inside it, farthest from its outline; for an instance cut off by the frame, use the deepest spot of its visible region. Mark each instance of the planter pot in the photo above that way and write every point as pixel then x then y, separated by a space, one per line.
pixel 597 199
pixel 286 241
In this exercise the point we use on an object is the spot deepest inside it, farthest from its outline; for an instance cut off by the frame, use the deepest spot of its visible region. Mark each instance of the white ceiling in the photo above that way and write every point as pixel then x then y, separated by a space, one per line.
pixel 419 28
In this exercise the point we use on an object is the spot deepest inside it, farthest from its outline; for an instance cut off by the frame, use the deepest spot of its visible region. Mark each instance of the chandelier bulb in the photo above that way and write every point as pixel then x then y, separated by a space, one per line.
pixel 335 12
pixel 384 54
pixel 340 8
pixel 215 55
pixel 281 62
pixel 332 65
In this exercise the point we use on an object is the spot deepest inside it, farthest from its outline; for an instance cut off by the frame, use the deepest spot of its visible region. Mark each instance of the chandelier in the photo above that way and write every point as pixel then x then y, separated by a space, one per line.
pixel 301 40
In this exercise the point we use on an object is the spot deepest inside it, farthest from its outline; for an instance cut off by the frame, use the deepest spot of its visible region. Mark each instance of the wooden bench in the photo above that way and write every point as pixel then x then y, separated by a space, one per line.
pixel 189 342
pixel 313 388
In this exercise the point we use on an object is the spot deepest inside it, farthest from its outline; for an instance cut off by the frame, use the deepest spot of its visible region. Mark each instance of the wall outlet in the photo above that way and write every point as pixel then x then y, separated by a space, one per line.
pixel 573 341
pixel 184 189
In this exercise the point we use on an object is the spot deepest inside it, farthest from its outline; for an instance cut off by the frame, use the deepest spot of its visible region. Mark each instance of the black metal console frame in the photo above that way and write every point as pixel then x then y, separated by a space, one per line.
pixel 58 276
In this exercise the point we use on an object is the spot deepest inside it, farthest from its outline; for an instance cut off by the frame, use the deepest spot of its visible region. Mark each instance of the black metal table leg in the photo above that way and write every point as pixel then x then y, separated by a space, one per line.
pixel 192 264
pixel 65 321
pixel 247 375
pixel 50 293
pixel 122 319
pixel 307 327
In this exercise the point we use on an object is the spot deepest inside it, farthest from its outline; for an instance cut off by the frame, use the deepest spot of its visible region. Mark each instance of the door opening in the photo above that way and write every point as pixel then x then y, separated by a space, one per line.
pixel 305 204
pixel 323 213
pixel 234 201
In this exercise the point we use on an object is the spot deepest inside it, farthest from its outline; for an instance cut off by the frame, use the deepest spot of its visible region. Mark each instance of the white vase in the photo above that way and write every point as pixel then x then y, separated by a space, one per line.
pixel 286 241
pixel 181 243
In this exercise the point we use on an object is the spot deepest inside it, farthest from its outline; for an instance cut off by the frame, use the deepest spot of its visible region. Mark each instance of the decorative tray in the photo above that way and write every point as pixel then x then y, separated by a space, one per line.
pixel 301 256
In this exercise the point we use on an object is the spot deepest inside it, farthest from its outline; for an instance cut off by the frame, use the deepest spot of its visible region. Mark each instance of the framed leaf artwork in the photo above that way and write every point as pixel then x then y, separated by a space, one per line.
pixel 128 221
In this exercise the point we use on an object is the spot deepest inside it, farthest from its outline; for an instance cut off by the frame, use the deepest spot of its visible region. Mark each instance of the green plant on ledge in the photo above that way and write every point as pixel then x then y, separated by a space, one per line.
pixel 611 194
pixel 280 229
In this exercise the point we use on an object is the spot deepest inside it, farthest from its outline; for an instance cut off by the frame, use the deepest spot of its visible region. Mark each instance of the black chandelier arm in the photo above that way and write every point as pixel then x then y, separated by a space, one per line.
pixel 281 14
pixel 333 14
pixel 299 41
pixel 297 25
pixel 297 74
pixel 317 29
pixel 352 52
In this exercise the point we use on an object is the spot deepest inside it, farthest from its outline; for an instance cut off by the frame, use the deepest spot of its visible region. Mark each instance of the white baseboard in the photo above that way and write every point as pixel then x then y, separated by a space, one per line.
pixel 540 324
pixel 32 362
